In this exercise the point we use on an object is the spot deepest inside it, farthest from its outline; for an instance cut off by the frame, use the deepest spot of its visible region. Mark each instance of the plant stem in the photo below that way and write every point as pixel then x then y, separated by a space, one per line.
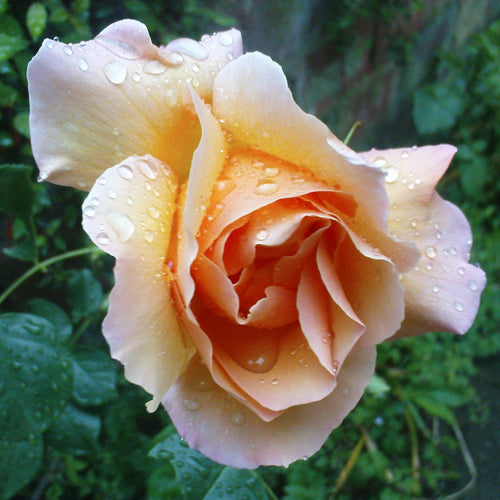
pixel 349 134
pixel 344 473
pixel 41 265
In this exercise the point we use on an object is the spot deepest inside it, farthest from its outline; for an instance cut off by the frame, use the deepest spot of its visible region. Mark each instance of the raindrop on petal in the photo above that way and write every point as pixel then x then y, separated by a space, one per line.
pixel 121 224
pixel 237 418
pixel 266 187
pixel 188 47
pixel 192 404
pixel 154 67
pixel 391 174
pixel 102 238
pixel 430 252
pixel 125 172
pixel 225 39
pixel 115 72
pixel 83 64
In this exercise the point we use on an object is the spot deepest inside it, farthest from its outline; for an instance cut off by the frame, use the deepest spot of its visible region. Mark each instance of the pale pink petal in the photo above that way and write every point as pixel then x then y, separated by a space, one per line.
pixel 443 291
pixel 228 432
pixel 128 213
pixel 279 127
pixel 95 103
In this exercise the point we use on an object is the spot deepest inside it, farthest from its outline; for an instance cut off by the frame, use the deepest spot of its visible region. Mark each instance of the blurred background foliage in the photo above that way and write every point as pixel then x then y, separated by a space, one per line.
pixel 414 72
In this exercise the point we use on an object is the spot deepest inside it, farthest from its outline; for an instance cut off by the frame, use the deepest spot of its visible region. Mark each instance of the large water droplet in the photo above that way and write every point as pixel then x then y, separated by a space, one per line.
pixel 266 187
pixel 380 161
pixel 125 172
pixel 121 49
pixel 89 211
pixel 154 67
pixel 430 252
pixel 102 238
pixel 148 169
pixel 121 224
pixel 225 39
pixel 115 72
pixel 153 212
pixel 188 47
pixel 83 64
pixel 391 174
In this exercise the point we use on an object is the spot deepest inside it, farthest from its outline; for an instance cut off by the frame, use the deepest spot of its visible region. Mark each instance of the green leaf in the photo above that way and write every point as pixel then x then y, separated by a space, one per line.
pixel 53 314
pixel 36 19
pixel 8 95
pixel 378 385
pixel 75 431
pixel 436 108
pixel 3 6
pixel 84 293
pixel 16 199
pixel 21 123
pixel 10 45
pixel 35 376
pixel 94 376
pixel 436 409
pixel 18 464
pixel 202 479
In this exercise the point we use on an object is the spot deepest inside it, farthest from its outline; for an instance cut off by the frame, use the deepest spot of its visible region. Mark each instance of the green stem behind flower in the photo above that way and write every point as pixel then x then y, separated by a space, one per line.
pixel 41 265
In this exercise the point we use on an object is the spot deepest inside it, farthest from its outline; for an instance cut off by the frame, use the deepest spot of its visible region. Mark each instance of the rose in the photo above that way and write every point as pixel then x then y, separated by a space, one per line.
pixel 257 266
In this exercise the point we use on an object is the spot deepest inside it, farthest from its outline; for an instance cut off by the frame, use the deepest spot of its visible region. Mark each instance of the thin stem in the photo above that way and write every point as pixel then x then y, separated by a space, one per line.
pixel 349 134
pixel 41 265
pixel 415 458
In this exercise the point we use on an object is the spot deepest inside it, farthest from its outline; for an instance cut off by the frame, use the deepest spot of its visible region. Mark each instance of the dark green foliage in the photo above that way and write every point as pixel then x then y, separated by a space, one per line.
pixel 72 427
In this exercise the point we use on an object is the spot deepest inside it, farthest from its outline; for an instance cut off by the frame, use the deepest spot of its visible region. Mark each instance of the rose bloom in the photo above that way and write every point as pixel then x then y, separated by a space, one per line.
pixel 259 260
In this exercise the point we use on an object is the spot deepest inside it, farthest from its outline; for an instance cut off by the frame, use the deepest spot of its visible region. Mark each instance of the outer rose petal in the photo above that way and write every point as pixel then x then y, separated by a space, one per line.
pixel 279 127
pixel 228 432
pixel 443 291
pixel 96 103
pixel 128 214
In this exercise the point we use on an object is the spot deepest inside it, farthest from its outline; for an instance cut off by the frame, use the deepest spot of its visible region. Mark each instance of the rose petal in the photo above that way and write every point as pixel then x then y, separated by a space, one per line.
pixel 128 213
pixel 230 433
pixel 95 103
pixel 443 291
pixel 279 127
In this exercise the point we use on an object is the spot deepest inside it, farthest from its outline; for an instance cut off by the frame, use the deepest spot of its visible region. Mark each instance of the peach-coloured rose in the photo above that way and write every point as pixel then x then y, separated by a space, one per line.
pixel 259 260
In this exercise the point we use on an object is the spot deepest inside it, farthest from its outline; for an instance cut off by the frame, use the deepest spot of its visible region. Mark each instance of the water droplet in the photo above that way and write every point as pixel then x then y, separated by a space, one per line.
pixel 380 161
pixel 153 212
pixel 472 285
pixel 262 235
pixel 225 39
pixel 89 211
pixel 335 367
pixel 125 172
pixel 266 187
pixel 154 67
pixel 174 58
pixel 95 201
pixel 102 238
pixel 345 391
pixel 237 418
pixel 452 251
pixel 101 180
pixel 411 185
pixel 189 48
pixel 274 381
pixel 435 289
pixel 115 72
pixel 458 306
pixel 83 64
pixel 136 77
pixel 121 49
pixel 405 154
pixel 468 241
pixel 271 171
pixel 391 174
pixel 191 404
pixel 430 252
pixel 111 193
pixel 438 235
pixel 49 44
pixel 67 50
pixel 149 236
pixel 461 271
pixel 42 176
pixel 121 224
pixel 414 223
pixel 148 169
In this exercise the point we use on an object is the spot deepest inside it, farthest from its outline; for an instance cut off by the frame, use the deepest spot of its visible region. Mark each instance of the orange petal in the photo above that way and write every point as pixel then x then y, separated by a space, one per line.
pixel 226 431
pixel 128 213
pixel 95 103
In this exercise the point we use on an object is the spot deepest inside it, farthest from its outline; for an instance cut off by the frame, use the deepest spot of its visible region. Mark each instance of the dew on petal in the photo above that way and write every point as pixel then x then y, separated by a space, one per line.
pixel 435 289
pixel 380 161
pixel 266 187
pixel 458 306
pixel 430 252
pixel 95 201
pixel 225 39
pixel 154 67
pixel 149 236
pixel 102 238
pixel 472 285
pixel 271 171
pixel 262 235
pixel 391 174
pixel 174 58
pixel 191 404
pixel 112 194
pixel 42 176
pixel 148 169
pixel 153 212
pixel 89 211
pixel 121 224
pixel 115 72
pixel 335 367
pixel 136 77
pixel 189 48
pixel 237 418
pixel 83 64
pixel 67 50
pixel 121 49
pixel 461 271
pixel 125 172
pixel 274 381
pixel 405 154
